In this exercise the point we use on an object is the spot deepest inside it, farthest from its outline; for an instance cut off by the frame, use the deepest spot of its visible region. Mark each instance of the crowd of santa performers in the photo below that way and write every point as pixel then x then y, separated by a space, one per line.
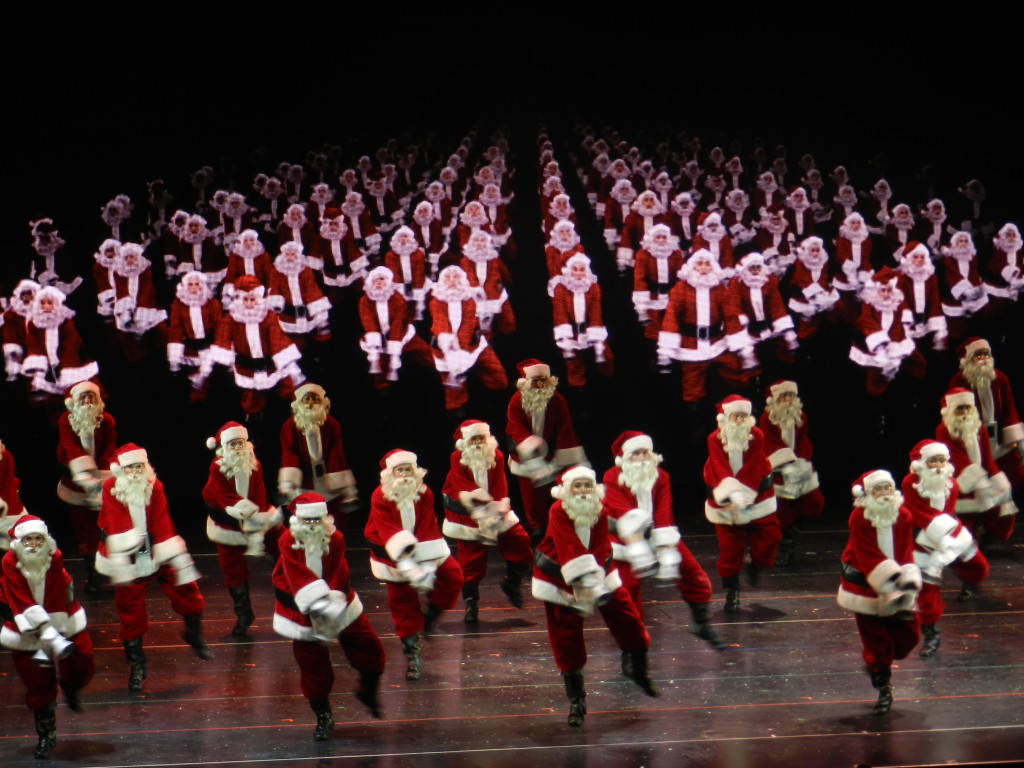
pixel 732 258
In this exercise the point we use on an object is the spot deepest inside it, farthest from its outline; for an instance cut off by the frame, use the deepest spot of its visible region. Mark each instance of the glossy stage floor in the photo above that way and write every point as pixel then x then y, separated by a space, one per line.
pixel 790 692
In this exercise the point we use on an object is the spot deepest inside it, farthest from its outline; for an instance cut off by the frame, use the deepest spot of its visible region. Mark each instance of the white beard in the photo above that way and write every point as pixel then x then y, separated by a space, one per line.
pixel 237 463
pixel 383 294
pixel 963 428
pixel 788 415
pixel 315 541
pixel 423 219
pixel 883 512
pixel 34 565
pixel 858 236
pixel 287 266
pixel 979 374
pixel 754 281
pixel 583 510
pixel 48 320
pixel 309 419
pixel 406 249
pixel 402 490
pixel 923 272
pixel 448 295
pixel 242 314
pixel 660 250
pixel 85 418
pixel 578 285
pixel 883 305
pixel 134 490
pixel 697 280
pixel 125 270
pixel 935 486
pixel 478 458
pixel 736 437
pixel 640 476
pixel 194 238
pixel 535 400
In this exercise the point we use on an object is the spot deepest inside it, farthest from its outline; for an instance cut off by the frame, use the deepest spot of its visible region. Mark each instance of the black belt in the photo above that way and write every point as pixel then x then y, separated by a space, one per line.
pixel 454 505
pixel 550 568
pixel 194 346
pixel 702 332
pixel 223 518
pixel 757 327
pixel 297 311
pixel 766 483
pixel 253 363
pixel 852 575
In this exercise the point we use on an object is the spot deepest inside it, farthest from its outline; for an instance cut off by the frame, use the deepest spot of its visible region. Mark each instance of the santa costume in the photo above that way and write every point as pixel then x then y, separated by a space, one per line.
pixel 195 317
pixel 306 309
pixel 54 358
pixel 578 322
pixel 11 507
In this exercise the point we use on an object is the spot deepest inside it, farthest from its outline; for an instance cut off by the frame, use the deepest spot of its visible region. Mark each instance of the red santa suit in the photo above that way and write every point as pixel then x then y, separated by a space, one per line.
pixel 984 500
pixel 11 507
pixel 576 309
pixel 545 443
pixel 645 212
pixel 478 516
pixel 757 302
pixel 14 324
pixel 567 558
pixel 135 304
pixel 920 287
pixel 649 516
pixel 305 306
pixel 103 276
pixel 137 542
pixel 248 257
pixel 314 603
pixel 1005 265
pixel 54 359
pixel 392 532
pixel 789 452
pixel 198 251
pixel 387 332
pixel 942 540
pixel 741 498
pixel 359 223
pixel 489 276
pixel 39 608
pixel 195 317
pixel 963 292
pixel 430 236
pixel 563 244
pixel 408 264
pixel 812 294
pixel 879 584
pixel 712 237
pixel 655 272
pixel 335 253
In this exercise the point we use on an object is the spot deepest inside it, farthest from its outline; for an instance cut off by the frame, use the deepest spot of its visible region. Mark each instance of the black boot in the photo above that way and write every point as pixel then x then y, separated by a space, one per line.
pixel 193 635
pixel 627 665
pixel 930 633
pixel 72 696
pixel 133 653
pixel 244 617
pixel 46 727
pixel 369 685
pixel 703 628
pixel 324 719
pixel 882 683
pixel 752 572
pixel 784 556
pixel 968 592
pixel 577 697
pixel 411 649
pixel 638 659
pixel 512 582
pixel 732 594
pixel 471 595
pixel 430 617
pixel 92 578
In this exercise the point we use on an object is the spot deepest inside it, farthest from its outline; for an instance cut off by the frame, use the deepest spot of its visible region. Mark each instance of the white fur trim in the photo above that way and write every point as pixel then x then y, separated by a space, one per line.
pixel 730 485
pixel 1013 433
pixel 970 476
pixel 168 549
pixel 637 443
pixel 294 631
pixel 138 456
pixel 84 463
pixel 128 541
pixel 753 512
pixel 399 457
pixel 336 481
pixel 398 543
pixel 579 566
pixel 566 457
pixel 292 475
pixel 225 536
pixel 666 536
pixel 883 577
pixel 306 596
pixel 781 456
pixel 857 603
pixel 532 447
pixel 432 549
pixel 632 523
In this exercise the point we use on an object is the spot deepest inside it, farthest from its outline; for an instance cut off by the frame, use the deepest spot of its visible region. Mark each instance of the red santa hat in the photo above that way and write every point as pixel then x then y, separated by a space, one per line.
pixel 26 525
pixel 566 479
pixel 925 450
pixel 781 387
pixel 308 387
pixel 885 276
pixel 472 428
pixel 249 284
pixel 309 506
pixel 955 397
pixel 863 485
pixel 914 247
pixel 967 349
pixel 396 457
pixel 71 393
pixel 230 431
pixel 734 404
pixel 531 367
pixel 130 453
pixel 629 442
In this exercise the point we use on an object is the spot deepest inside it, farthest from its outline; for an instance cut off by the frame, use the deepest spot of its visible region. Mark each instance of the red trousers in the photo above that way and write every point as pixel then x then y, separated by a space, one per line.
pixel 41 682
pixel 565 630
pixel 886 639
pixel 404 601
pixel 929 602
pixel 693 583
pixel 762 536
pixel 491 373
pixel 989 523
pixel 85 529
pixel 232 560
pixel 130 602
pixel 789 511
pixel 576 369
pixel 361 646
pixel 730 369
pixel 536 503
pixel 913 364
pixel 513 545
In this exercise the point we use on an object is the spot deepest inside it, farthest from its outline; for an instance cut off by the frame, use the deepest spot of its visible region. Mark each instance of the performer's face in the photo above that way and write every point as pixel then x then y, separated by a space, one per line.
pixel 937 463
pixel 249 300
pixel 403 470
pixel 582 486
pixel 702 267
pixel 963 410
pixel 88 398
pixel 46 304
pixel 311 399
pixel 917 259
pixel 640 454
pixel 785 398
pixel 885 292
pixel 539 382
pixel 882 490
pixel 981 355
pixel 739 417
pixel 477 440
pixel 33 542
pixel 194 288
pixel 110 251
pixel 237 445
pixel 578 271
pixel 25 297
pixel 138 469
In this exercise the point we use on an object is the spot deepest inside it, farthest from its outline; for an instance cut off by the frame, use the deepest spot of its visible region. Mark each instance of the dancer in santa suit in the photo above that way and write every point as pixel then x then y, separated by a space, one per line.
pixel 336 255
pixel 645 212
pixel 885 321
pixel 315 604
pixel 574 574
pixel 616 209
pixel 994 398
pixel 86 446
pixel 645 539
pixel 920 287
pixel 579 325
pixel 408 553
pixel 408 262
pixel 656 271
pixel 563 243
pixel 741 498
pixel 541 432
pixel 250 341
pixel 306 308
pixel 1005 268
pixel 198 250
pixel 478 515
pixel 14 326
pixel 239 515
pixel 789 449
pixel 713 237
pixel 700 328
pixel 135 304
pixel 984 504
pixel 899 230
pixel 312 453
pixel 682 219
pixel 761 310
pixel 430 236
pixel 137 541
pixel 247 257
pixel 812 292
pixel 387 332
pixel 879 580
pixel 195 316
pixel 930 494
pixel 45 629
pixel 11 507
pixel 53 358
pixel 103 276
pixel 490 277
pixel 460 346
pixel 853 259
pixel 357 219
pixel 962 289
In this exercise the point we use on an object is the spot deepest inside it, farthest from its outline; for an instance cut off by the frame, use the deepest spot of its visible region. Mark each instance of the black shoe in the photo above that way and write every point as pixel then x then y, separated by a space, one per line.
pixel 512 592
pixel 411 649
pixel 72 696
pixel 930 644
pixel 133 653
pixel 703 629
pixel 968 592
pixel 430 617
pixel 732 601
pixel 753 574
pixel 577 697
pixel 882 681
pixel 472 615
pixel 784 556
pixel 46 729
pixel 627 665
pixel 92 578
pixel 324 719
pixel 244 617
pixel 638 660
pixel 369 685
pixel 193 635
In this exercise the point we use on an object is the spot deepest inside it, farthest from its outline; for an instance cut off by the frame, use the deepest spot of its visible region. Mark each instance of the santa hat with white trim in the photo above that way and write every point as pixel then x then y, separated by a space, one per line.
pixel 232 430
